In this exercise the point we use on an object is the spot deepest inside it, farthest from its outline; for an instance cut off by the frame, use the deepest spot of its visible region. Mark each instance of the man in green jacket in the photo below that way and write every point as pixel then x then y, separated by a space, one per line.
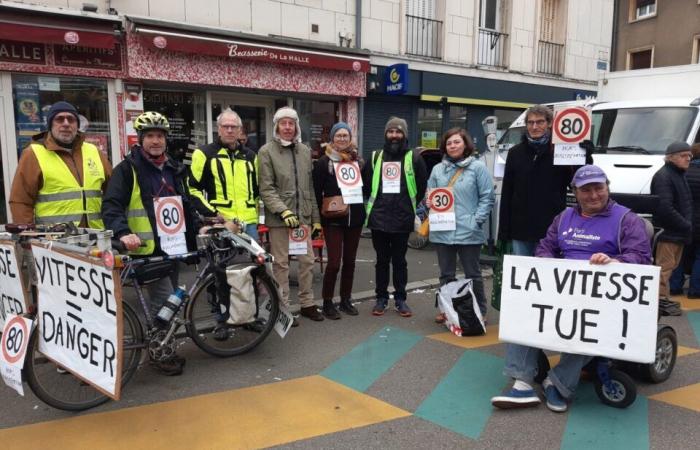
pixel 287 191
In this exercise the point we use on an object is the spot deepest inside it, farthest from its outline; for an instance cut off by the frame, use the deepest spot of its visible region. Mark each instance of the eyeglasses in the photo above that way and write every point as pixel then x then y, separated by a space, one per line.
pixel 342 137
pixel 230 127
pixel 539 123
pixel 68 118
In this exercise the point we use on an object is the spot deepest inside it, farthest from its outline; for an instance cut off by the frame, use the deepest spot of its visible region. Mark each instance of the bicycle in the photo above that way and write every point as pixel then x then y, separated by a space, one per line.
pixel 219 247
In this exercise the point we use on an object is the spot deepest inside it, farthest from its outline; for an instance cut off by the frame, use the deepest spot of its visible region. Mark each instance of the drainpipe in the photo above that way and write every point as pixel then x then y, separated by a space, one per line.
pixel 613 42
pixel 361 100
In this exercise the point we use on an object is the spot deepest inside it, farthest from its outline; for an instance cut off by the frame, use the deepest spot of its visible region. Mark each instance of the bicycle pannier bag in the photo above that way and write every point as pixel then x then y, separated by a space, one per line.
pixel 242 307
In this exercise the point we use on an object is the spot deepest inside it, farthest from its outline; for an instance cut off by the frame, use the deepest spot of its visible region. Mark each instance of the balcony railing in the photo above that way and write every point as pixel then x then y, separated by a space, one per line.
pixel 492 45
pixel 550 58
pixel 423 37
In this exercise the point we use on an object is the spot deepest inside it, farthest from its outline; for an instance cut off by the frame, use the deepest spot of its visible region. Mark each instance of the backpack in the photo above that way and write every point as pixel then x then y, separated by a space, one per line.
pixel 457 301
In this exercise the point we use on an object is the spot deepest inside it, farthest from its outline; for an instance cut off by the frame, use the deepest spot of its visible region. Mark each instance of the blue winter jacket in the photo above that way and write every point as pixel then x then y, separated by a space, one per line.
pixel 474 198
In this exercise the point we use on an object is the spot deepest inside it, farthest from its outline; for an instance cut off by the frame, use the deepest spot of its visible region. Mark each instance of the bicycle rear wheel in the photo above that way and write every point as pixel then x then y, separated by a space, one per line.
pixel 200 317
pixel 64 391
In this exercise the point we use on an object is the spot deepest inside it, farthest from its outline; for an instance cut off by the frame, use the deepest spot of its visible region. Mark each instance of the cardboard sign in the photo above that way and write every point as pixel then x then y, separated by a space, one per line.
pixel 299 240
pixel 347 174
pixel 170 223
pixel 576 307
pixel 572 124
pixel 80 317
pixel 12 295
pixel 442 209
pixel 13 350
pixel 391 177
pixel 569 155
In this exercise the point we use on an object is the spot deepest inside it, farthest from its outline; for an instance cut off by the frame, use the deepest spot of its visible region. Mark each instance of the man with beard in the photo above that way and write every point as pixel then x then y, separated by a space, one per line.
pixel 60 177
pixel 395 180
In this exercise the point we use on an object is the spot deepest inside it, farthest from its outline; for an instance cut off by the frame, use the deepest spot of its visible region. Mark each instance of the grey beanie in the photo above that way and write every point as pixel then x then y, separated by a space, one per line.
pixel 677 147
pixel 399 124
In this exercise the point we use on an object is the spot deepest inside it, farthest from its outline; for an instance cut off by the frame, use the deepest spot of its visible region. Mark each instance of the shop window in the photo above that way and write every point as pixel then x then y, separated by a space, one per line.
pixel 186 113
pixel 429 126
pixel 316 120
pixel 458 116
pixel 640 59
pixel 33 96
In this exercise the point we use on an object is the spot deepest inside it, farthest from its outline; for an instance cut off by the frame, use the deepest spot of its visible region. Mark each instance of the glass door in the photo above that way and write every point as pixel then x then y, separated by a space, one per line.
pixel 256 116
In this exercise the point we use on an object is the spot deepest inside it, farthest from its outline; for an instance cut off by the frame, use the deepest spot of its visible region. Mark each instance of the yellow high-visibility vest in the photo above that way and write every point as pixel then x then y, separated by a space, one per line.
pixel 61 198
pixel 137 218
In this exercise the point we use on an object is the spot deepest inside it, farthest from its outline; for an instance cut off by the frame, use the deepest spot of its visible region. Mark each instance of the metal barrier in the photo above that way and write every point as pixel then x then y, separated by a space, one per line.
pixel 423 37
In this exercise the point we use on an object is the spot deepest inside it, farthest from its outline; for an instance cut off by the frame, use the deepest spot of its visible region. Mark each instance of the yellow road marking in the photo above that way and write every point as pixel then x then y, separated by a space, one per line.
pixel 686 303
pixel 685 397
pixel 684 351
pixel 254 417
pixel 490 338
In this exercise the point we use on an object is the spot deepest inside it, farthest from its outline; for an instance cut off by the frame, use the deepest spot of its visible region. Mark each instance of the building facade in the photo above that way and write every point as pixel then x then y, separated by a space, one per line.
pixel 652 33
pixel 330 59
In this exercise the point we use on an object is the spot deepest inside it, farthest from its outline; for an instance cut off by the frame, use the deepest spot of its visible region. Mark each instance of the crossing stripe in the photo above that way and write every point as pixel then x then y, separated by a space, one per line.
pixel 255 417
pixel 366 363
pixel 461 401
pixel 592 424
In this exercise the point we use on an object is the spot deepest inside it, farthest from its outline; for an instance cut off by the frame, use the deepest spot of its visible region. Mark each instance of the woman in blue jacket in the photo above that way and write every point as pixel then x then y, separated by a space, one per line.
pixel 472 189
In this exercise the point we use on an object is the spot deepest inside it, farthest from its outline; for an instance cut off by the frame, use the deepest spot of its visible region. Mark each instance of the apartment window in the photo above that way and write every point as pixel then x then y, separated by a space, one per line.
pixel 423 31
pixel 640 59
pixel 492 42
pixel 643 9
pixel 550 48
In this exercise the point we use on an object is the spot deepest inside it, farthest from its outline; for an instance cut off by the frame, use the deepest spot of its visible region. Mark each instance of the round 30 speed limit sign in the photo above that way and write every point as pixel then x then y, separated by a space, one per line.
pixel 441 200
pixel 571 125
pixel 15 338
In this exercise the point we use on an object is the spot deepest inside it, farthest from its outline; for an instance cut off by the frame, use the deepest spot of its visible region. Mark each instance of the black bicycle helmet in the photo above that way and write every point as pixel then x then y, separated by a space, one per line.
pixel 151 120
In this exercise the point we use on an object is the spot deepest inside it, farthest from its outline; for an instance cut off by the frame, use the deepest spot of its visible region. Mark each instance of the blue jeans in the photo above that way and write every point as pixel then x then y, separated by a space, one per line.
pixel 678 276
pixel 251 230
pixel 521 360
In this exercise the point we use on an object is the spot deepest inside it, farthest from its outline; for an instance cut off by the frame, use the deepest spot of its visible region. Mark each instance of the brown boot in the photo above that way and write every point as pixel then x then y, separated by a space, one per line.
pixel 312 313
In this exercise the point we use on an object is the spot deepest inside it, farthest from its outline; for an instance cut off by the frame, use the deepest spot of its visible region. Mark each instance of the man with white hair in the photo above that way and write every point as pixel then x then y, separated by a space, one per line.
pixel 287 191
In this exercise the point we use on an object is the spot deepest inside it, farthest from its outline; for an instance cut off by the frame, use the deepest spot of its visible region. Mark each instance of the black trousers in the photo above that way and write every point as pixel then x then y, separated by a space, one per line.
pixel 391 249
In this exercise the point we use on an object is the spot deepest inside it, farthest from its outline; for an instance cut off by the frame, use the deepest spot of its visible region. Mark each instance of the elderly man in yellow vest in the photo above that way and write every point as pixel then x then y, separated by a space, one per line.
pixel 60 177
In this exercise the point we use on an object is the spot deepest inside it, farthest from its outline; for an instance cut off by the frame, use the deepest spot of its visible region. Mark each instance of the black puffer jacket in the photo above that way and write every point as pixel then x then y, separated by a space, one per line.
pixel 393 213
pixel 692 175
pixel 674 212
pixel 533 192
pixel 326 185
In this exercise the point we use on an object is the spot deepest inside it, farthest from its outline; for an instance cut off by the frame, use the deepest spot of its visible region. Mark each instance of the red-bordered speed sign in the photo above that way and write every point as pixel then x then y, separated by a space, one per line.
pixel 392 170
pixel 14 340
pixel 441 200
pixel 170 216
pixel 299 234
pixel 347 174
pixel 571 125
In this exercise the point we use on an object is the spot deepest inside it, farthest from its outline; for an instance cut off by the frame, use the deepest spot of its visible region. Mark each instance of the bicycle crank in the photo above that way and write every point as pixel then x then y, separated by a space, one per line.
pixel 158 348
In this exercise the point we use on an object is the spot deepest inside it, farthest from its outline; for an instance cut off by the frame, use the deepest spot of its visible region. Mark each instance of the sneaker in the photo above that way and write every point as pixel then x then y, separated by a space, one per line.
pixel 312 313
pixel 347 307
pixel 256 326
pixel 403 309
pixel 295 322
pixel 379 307
pixel 330 311
pixel 220 332
pixel 170 367
pixel 516 399
pixel 555 402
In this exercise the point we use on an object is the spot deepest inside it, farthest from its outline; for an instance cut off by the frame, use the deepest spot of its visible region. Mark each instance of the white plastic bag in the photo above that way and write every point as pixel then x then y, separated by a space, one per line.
pixel 445 296
pixel 242 307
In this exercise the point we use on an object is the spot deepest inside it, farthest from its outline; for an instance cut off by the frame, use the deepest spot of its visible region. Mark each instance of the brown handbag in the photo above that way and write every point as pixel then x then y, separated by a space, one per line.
pixel 334 207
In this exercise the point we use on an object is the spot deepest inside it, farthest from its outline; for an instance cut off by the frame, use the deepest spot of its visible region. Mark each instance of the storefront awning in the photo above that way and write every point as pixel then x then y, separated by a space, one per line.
pixel 243 50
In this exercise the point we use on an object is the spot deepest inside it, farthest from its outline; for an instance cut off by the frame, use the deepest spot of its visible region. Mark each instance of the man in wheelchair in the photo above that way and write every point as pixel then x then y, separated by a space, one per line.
pixel 601 231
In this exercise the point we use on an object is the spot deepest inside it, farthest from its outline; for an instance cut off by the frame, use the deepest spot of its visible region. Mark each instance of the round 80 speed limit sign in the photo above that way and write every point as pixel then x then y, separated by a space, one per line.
pixel 170 215
pixel 571 125
pixel 348 175
pixel 441 200
pixel 15 337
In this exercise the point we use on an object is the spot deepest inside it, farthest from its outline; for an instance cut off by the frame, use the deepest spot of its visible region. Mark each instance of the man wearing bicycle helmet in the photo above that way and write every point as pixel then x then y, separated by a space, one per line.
pixel 134 209
pixel 60 177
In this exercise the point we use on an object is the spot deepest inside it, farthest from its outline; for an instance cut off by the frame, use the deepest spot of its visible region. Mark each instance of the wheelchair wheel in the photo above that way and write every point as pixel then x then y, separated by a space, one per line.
pixel 621 392
pixel 62 390
pixel 200 317
pixel 666 350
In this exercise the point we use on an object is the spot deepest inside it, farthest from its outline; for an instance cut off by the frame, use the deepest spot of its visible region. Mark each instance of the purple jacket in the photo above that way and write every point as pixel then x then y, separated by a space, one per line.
pixel 634 247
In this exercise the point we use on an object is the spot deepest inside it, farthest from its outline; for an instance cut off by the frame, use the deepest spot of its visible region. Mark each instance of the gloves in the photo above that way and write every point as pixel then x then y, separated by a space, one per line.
pixel 588 146
pixel 316 231
pixel 290 219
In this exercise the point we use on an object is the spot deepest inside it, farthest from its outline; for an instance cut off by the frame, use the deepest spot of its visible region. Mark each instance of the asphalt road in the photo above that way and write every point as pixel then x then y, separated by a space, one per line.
pixel 363 382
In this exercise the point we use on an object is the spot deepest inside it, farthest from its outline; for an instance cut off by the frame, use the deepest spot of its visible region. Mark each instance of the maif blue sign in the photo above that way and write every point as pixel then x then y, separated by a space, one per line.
pixel 396 79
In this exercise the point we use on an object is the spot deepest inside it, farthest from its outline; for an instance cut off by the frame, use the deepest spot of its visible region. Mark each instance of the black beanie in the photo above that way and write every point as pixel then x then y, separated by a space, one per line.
pixel 60 107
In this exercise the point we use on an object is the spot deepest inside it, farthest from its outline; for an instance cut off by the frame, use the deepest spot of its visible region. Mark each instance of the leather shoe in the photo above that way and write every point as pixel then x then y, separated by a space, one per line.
pixel 347 307
pixel 311 312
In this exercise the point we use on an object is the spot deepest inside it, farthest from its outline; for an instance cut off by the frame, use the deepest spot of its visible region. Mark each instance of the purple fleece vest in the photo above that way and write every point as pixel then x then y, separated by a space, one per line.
pixel 580 237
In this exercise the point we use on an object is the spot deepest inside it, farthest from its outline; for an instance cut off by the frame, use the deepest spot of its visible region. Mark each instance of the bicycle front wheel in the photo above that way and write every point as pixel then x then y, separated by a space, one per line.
pixel 201 318
pixel 58 388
